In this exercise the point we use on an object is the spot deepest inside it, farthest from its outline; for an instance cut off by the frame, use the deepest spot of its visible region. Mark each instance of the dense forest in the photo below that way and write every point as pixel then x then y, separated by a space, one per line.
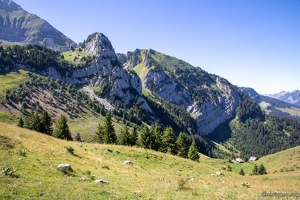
pixel 38 58
pixel 254 133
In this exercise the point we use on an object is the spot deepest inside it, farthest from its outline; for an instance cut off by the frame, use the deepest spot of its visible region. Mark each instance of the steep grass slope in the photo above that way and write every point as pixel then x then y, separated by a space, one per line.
pixel 153 175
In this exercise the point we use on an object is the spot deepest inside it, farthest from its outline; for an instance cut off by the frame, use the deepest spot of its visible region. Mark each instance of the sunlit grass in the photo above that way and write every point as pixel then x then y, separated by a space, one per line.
pixel 11 81
pixel 153 175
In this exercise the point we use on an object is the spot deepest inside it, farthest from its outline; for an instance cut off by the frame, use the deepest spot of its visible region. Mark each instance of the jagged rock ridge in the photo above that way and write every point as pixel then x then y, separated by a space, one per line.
pixel 271 105
pixel 210 99
pixel 289 97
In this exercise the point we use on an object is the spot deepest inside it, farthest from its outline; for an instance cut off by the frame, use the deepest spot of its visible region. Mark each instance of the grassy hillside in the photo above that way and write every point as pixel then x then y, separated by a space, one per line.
pixel 153 175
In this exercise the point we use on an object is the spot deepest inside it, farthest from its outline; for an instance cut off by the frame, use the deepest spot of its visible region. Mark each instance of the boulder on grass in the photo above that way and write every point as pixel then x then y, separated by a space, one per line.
pixel 65 166
pixel 128 162
pixel 101 181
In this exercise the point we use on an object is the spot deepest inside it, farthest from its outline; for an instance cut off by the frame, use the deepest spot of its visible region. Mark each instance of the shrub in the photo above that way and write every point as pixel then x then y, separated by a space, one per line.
pixel 23 152
pixel 182 184
pixel 70 150
pixel 245 184
pixel 8 171
pixel 105 167
pixel 90 175
pixel 242 172
pixel 229 168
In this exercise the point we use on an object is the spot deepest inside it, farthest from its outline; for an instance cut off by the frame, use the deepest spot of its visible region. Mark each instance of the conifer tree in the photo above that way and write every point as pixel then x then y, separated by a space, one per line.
pixel 155 137
pixel 193 152
pixel 182 144
pixel 33 121
pixel 106 132
pixel 262 170
pixel 145 138
pixel 133 136
pixel 99 134
pixel 78 137
pixel 255 170
pixel 168 141
pixel 242 172
pixel 62 129
pixel 46 123
pixel 20 122
pixel 109 129
pixel 124 137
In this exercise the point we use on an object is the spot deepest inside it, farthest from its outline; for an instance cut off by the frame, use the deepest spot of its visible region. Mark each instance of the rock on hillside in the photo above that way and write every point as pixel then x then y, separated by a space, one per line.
pixel 22 27
pixel 210 99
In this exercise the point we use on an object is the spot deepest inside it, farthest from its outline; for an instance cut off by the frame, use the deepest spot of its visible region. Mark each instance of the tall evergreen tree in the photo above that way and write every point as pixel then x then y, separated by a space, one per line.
pixel 124 137
pixel 133 136
pixel 20 122
pixel 183 145
pixel 168 141
pixel 33 121
pixel 145 138
pixel 109 129
pixel 193 152
pixel 106 132
pixel 46 123
pixel 62 129
pixel 262 170
pixel 255 170
pixel 99 134
pixel 155 137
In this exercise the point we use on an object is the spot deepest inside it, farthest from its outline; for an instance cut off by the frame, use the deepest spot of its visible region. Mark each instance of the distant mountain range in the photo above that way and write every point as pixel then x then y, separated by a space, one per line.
pixel 289 97
pixel 22 27
pixel 279 105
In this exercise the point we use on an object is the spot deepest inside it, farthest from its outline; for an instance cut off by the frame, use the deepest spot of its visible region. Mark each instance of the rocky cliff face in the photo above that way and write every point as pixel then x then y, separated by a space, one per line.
pixel 212 113
pixel 208 98
pixel 22 27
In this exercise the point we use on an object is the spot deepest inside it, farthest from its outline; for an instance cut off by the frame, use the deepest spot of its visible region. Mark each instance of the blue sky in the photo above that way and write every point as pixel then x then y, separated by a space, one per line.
pixel 252 43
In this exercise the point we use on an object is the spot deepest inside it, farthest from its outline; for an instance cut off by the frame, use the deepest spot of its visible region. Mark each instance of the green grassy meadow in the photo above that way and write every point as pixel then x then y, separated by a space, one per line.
pixel 12 80
pixel 153 175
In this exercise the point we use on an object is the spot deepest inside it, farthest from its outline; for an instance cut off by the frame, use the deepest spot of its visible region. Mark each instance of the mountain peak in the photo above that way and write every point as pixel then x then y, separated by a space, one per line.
pixel 97 43
pixel 21 27
pixel 9 5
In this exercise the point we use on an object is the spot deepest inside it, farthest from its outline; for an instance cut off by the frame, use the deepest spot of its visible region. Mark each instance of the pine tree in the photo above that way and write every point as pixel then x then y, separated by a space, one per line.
pixel 193 152
pixel 262 170
pixel 145 138
pixel 242 172
pixel 46 123
pixel 62 129
pixel 133 136
pixel 33 121
pixel 255 170
pixel 124 137
pixel 169 141
pixel 109 129
pixel 155 137
pixel 78 137
pixel 99 134
pixel 182 144
pixel 20 122
pixel 106 132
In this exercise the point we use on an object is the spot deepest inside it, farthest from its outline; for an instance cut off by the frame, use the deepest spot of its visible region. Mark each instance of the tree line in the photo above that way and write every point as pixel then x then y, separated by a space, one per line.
pixel 42 122
pixel 149 138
